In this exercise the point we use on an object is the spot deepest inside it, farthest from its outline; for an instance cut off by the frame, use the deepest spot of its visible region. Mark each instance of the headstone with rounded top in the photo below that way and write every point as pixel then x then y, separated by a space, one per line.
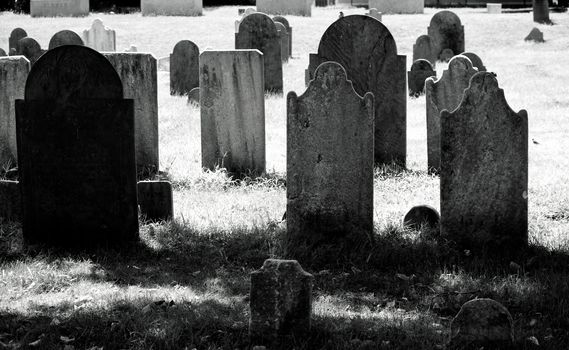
pixel 29 48
pixel 15 36
pixel 423 49
pixel 184 68
pixel 281 29
pixel 422 215
pixel 541 11
pixel 476 61
pixel 155 200
pixel 65 37
pixel 446 32
pixel 99 37
pixel 535 35
pixel 446 55
pixel 284 21
pixel 420 71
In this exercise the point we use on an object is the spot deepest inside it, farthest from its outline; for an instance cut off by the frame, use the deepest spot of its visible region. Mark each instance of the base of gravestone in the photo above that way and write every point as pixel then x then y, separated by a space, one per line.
pixel 11 203
pixel 155 200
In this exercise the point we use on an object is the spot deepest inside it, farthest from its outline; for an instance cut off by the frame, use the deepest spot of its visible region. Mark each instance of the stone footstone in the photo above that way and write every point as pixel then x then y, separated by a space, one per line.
pixel 280 303
pixel 65 37
pixel 29 48
pixel 420 71
pixel 421 215
pixel 11 203
pixel 476 61
pixel 194 96
pixel 15 36
pixel 446 32
pixel 99 37
pixel 184 68
pixel 155 200
pixel 535 35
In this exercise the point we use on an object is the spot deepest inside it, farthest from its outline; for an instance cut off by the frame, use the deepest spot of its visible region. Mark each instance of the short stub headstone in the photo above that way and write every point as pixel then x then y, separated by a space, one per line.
pixel 283 34
pixel 76 152
pixel 284 21
pixel 541 11
pixel 11 203
pixel 194 96
pixel 373 12
pixel 99 37
pixel 280 303
pixel 15 36
pixel 171 7
pixel 420 71
pixel 232 105
pixel 65 37
pixel 288 7
pixel 476 61
pixel 446 32
pixel 535 35
pixel 155 200
pixel 421 215
pixel 29 48
pixel 484 169
pixel 424 49
pixel 494 8
pixel 184 68
pixel 55 8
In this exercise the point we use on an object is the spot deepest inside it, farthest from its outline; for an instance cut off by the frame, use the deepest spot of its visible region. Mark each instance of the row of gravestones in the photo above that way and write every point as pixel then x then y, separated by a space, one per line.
pixel 74 8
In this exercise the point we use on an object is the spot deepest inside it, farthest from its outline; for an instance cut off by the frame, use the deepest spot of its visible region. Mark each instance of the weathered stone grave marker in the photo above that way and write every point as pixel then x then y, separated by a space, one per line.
pixel 398 6
pixel 420 70
pixel 535 35
pixel 184 68
pixel 99 37
pixel 421 215
pixel 281 29
pixel 194 96
pixel 29 48
pixel 171 7
pixel 11 203
pixel 288 7
pixel 476 61
pixel 55 8
pixel 494 8
pixel 65 37
pixel 284 21
pixel 155 200
pixel 446 32
pixel 541 11
pixel 373 12
pixel 15 36
pixel 424 49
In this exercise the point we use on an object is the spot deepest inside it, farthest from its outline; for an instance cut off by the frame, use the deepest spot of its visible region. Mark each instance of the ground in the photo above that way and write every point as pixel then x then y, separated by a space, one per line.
pixel 401 295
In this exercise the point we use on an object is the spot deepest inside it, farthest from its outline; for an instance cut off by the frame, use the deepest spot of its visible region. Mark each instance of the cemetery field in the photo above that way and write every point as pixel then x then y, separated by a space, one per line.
pixel 186 285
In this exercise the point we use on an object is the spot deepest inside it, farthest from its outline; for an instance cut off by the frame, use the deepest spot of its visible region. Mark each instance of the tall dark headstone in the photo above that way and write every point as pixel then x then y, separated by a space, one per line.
pixel 541 11
pixel 420 71
pixel 29 48
pixel 284 21
pixel 76 152
pixel 155 200
pixel 446 32
pixel 15 36
pixel 484 169
pixel 424 49
pixel 258 31
pixel 65 37
pixel 184 68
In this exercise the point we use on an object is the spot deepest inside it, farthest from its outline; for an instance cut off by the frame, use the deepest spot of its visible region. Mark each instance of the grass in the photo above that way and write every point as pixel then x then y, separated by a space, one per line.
pixel 400 294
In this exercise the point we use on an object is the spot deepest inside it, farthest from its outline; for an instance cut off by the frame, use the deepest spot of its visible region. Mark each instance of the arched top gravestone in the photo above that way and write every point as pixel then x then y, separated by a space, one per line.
pixel 15 36
pixel 184 68
pixel 447 32
pixel 476 61
pixel 421 69
pixel 30 48
pixel 284 21
pixel 423 49
pixel 65 37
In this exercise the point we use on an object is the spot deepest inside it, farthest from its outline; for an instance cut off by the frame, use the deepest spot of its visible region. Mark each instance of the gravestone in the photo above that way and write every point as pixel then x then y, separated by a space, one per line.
pixel 194 96
pixel 541 11
pixel 444 93
pixel 184 68
pixel 280 303
pixel 446 55
pixel 375 14
pixel 258 31
pixel 423 49
pixel 65 37
pixel 281 29
pixel 368 52
pixel 284 21
pixel 99 37
pixel 232 104
pixel 446 32
pixel 11 203
pixel 2 53
pixel 139 76
pixel 421 215
pixel 76 152
pixel 288 7
pixel 13 74
pixel 484 169
pixel 15 36
pixel 535 35
pixel 155 200
pixel 329 163
pixel 398 6
pixel 420 71
pixel 476 61
pixel 494 8
pixel 163 63
pixel 171 7
pixel 29 48
pixel 55 8
pixel 131 48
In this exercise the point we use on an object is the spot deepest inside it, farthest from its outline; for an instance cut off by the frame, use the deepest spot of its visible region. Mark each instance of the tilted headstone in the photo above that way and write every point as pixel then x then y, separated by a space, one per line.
pixel 368 52
pixel 281 29
pixel 280 303
pixel 444 93
pixel 11 203
pixel 171 7
pixel 232 104
pixel 139 77
pixel 284 21
pixel 446 32
pixel 398 6
pixel 15 36
pixel 421 215
pixel 476 61
pixel 484 169
pixel 13 74
pixel 99 37
pixel 29 48
pixel 194 96
pixel 65 37
pixel 258 31
pixel 184 68
pixel 420 71
pixel 288 7
pixel 424 49
pixel 541 11
pixel 76 152
pixel 155 200
pixel 55 8
pixel 373 12
pixel 535 35
pixel 329 162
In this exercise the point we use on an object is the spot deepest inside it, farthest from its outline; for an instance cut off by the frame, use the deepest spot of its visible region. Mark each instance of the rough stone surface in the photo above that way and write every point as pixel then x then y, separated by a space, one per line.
pixel 138 72
pixel 171 7
pixel 422 215
pixel 284 21
pixel 155 200
pixel 15 36
pixel 446 55
pixel 65 37
pixel 13 74
pixel 423 49
pixel 184 68
pixel 367 51
pixel 484 169
pixel 482 322
pixel 329 161
pixel 494 8
pixel 446 32
pixel 55 8
pixel 444 93
pixel 288 7
pixel 535 35
pixel 541 11
pixel 283 34
pixel 11 203
pixel 280 303
pixel 476 61
pixel 232 111
pixel 76 152
pixel 258 31
pixel 194 96
pixel 420 71
pixel 398 6
pixel 29 48
pixel 99 37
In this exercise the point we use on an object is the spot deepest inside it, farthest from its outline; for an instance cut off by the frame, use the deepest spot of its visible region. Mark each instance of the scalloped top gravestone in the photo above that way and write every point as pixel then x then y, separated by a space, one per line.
pixel 368 52
pixel 484 169
pixel 99 37
pixel 65 37
pixel 476 61
pixel 29 48
pixel 446 32
pixel 284 21
pixel 184 68
pixel 258 31
pixel 15 36
pixel 444 93
pixel 420 71
pixel 281 29
pixel 76 152
pixel 329 162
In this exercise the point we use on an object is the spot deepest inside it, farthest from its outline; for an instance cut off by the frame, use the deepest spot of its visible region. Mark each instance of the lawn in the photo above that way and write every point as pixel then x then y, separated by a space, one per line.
pixel 401 294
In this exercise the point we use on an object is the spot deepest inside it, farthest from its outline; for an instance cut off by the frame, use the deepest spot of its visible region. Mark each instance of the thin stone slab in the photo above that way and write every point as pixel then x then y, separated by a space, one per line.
pixel 280 303
pixel 258 31
pixel 541 11
pixel 422 215
pixel 288 7
pixel 444 93
pixel 424 49
pixel 368 52
pixel 194 96
pixel 446 32
pixel 56 8
pixel 76 152
pixel 232 111
pixel 420 71
pixel 29 48
pixel 139 75
pixel 99 37
pixel 398 6
pixel 171 7
pixel 329 162
pixel 281 29
pixel 535 35
pixel 476 61
pixel 15 36
pixel 14 71
pixel 484 169
pixel 65 37
pixel 155 200
pixel 184 68
pixel 284 22
pixel 11 203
